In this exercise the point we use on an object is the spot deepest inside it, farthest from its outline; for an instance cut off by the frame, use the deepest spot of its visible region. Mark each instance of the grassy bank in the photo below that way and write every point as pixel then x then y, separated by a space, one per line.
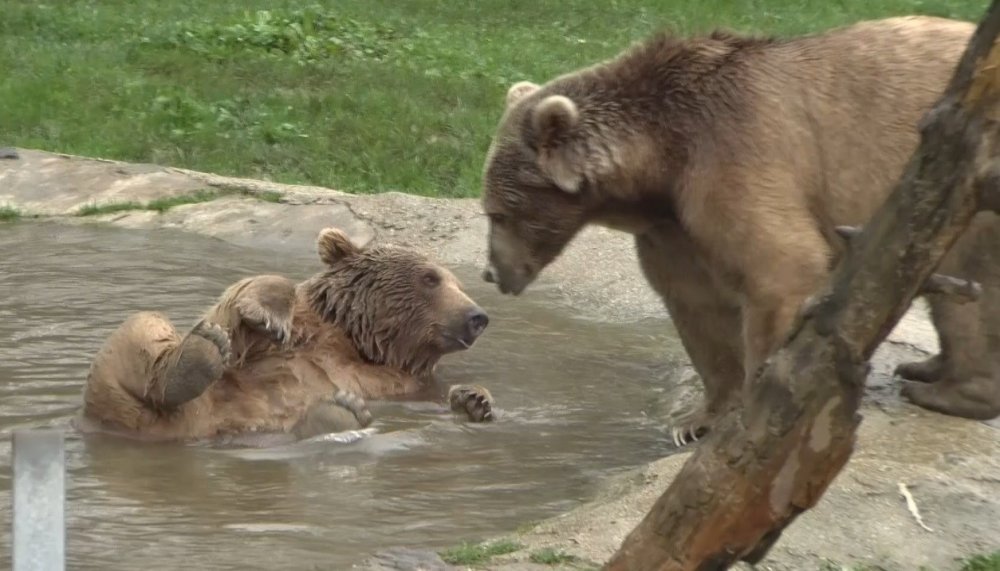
pixel 361 95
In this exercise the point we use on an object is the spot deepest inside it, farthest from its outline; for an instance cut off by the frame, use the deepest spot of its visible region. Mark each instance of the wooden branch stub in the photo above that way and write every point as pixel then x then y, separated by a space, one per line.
pixel 988 189
pixel 848 232
pixel 960 290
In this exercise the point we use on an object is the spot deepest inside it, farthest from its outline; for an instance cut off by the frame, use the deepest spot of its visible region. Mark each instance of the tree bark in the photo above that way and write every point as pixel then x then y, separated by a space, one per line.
pixel 959 290
pixel 764 464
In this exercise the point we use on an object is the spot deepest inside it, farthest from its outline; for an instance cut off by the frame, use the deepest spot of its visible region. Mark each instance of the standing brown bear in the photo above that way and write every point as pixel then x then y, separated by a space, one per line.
pixel 277 358
pixel 732 160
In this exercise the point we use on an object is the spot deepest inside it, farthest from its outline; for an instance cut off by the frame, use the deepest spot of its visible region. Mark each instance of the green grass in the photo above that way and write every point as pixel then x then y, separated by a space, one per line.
pixel 526 527
pixel 360 95
pixel 95 209
pixel 549 556
pixel 162 205
pixel 986 562
pixel 982 562
pixel 9 213
pixel 268 196
pixel 479 553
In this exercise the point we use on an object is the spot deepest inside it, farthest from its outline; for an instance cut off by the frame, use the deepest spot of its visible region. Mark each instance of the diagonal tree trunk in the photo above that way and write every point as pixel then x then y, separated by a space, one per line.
pixel 773 459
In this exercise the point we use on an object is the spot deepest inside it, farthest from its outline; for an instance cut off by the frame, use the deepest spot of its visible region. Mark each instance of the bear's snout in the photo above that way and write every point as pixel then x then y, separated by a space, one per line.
pixel 465 329
pixel 475 323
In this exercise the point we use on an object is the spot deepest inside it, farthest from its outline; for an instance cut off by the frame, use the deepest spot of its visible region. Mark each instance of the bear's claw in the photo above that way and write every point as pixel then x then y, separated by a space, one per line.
pixel 690 427
pixel 474 401
pixel 684 435
pixel 217 336
pixel 280 330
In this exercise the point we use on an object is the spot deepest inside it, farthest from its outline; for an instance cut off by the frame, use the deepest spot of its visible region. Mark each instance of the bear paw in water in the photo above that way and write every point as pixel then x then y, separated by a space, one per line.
pixel 345 411
pixel 217 336
pixel 357 405
pixel 474 401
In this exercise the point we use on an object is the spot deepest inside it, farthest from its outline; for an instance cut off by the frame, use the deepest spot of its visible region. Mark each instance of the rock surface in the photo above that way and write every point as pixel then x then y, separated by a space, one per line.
pixel 950 466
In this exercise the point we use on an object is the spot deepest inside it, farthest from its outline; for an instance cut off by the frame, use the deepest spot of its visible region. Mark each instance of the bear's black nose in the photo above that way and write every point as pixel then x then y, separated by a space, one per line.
pixel 476 322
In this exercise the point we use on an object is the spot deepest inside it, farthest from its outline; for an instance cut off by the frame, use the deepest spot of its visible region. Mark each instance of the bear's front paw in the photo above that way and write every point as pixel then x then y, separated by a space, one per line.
pixel 474 401
pixel 355 404
pixel 691 426
pixel 217 336
pixel 342 412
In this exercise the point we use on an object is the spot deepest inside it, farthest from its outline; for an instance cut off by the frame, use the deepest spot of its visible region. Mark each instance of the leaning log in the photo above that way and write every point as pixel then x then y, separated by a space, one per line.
pixel 769 461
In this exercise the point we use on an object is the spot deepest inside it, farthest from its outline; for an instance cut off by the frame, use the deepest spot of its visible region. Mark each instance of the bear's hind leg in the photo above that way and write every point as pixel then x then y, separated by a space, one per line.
pixel 969 380
pixel 976 398
pixel 952 322
pixel 197 362
pixel 123 371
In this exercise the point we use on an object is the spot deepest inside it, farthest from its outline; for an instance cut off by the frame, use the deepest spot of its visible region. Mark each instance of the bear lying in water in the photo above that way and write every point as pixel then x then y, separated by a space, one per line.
pixel 276 357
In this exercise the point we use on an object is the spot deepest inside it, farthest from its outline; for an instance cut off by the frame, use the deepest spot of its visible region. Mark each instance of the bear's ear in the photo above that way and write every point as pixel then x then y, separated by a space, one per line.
pixel 334 246
pixel 554 119
pixel 519 91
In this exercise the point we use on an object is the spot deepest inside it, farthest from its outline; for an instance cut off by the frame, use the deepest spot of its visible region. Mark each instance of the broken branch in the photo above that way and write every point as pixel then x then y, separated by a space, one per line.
pixel 961 290
pixel 911 505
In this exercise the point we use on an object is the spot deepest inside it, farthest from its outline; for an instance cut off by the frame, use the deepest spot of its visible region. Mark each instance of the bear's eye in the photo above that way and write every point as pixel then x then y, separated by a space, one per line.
pixel 432 279
pixel 497 219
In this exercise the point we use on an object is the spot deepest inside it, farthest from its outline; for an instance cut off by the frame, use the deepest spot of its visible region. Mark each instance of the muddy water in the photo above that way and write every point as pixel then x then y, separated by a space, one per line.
pixel 574 398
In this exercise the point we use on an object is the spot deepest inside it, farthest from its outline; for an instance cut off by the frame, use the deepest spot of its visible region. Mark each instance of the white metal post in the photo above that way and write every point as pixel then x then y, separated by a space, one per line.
pixel 39 492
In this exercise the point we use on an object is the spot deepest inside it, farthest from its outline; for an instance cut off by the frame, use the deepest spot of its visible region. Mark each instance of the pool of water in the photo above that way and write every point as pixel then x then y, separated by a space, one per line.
pixel 574 395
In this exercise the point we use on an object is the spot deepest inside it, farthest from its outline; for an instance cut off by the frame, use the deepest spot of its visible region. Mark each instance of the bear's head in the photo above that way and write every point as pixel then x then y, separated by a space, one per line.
pixel 398 308
pixel 561 158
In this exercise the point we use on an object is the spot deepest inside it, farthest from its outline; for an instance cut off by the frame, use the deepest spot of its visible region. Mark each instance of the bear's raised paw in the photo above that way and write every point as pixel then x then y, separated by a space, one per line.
pixel 217 336
pixel 474 401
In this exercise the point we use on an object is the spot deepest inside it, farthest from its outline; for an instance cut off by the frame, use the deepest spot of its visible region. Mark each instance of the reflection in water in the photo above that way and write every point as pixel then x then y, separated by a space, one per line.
pixel 573 398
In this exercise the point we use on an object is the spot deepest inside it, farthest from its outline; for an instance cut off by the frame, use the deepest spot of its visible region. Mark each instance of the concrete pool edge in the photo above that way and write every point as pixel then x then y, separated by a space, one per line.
pixel 950 465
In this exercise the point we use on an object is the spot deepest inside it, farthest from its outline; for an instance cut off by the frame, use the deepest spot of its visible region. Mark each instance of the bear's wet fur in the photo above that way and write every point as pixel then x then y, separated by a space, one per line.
pixel 732 160
pixel 273 356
